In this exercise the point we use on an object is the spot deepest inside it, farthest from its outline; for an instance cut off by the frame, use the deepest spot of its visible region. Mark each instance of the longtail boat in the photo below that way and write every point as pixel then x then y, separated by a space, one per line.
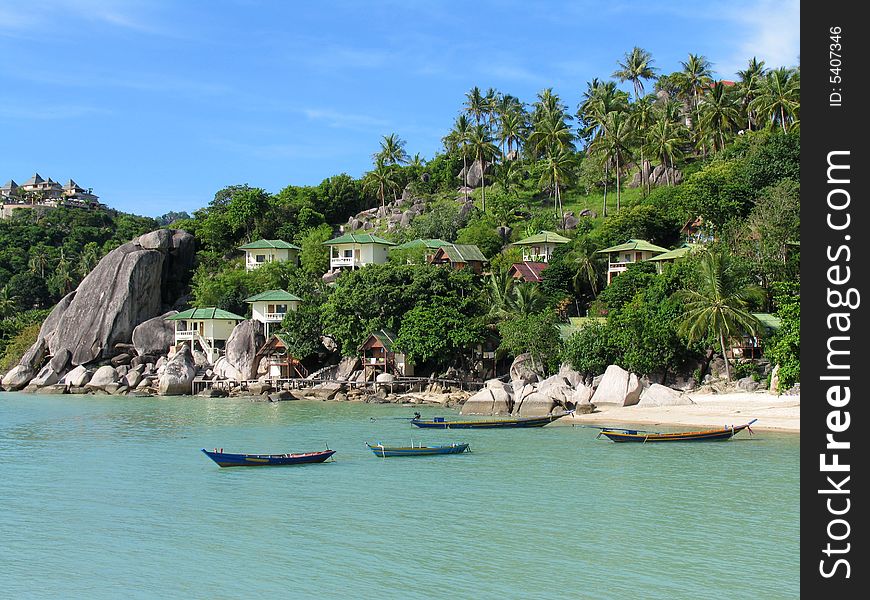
pixel 705 435
pixel 441 423
pixel 225 459
pixel 412 450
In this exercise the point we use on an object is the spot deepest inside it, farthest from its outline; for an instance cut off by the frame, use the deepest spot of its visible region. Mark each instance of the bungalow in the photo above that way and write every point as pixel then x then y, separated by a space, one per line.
pixel 378 356
pixel 460 257
pixel 630 252
pixel 696 231
pixel 750 346
pixel 265 251
pixel 527 271
pixel 355 250
pixel 672 255
pixel 540 247
pixel 276 360
pixel 205 329
pixel 426 246
pixel 269 308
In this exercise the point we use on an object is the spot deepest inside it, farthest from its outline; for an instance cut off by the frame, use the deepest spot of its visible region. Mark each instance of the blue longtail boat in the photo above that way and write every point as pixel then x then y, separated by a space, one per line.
pixel 441 423
pixel 225 459
pixel 706 435
pixel 412 450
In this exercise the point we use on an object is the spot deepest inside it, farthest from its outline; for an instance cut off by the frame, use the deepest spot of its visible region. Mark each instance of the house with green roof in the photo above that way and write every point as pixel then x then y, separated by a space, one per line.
pixel 540 247
pixel 672 255
pixel 623 255
pixel 355 250
pixel 270 307
pixel 378 355
pixel 261 252
pixel 205 329
pixel 460 256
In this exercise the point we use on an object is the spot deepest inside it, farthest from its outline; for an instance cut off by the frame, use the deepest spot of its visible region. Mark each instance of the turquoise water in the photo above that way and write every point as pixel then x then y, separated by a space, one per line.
pixel 105 497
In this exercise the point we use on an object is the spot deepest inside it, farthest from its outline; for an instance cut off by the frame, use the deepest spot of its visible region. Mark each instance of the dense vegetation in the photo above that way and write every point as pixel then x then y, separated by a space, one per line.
pixel 725 154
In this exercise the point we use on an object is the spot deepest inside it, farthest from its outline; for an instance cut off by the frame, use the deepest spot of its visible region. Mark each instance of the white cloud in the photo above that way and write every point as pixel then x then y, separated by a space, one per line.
pixel 344 120
pixel 770 32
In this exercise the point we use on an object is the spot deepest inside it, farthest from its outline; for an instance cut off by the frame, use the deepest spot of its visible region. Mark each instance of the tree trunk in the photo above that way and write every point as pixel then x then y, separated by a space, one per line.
pixel 482 185
pixel 617 185
pixel 606 175
pixel 465 177
pixel 725 357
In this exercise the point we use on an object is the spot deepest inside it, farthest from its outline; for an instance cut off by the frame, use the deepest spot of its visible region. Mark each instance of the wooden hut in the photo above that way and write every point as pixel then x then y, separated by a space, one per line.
pixel 279 363
pixel 378 356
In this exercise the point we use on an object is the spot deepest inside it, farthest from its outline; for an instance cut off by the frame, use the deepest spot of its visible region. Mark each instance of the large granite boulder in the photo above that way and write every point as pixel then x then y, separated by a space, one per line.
pixel 524 369
pixel 178 374
pixel 346 366
pixel 104 376
pixel 536 404
pixel 223 369
pixel 128 286
pixel 154 336
pixel 17 377
pixel 472 175
pixel 557 388
pixel 494 399
pixel 78 377
pixel 242 346
pixel 618 386
pixel 573 377
pixel 46 376
pixel 660 395
pixel 385 378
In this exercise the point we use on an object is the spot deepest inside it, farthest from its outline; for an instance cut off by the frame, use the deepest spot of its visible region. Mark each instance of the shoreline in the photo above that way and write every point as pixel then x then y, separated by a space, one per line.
pixel 774 413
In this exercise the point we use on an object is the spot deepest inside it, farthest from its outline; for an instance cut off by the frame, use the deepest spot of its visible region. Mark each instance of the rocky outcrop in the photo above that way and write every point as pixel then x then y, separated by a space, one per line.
pixel 224 370
pixel 536 404
pixel 154 336
pixel 618 386
pixel 473 174
pixel 523 369
pixel 242 346
pixel 128 286
pixel 178 374
pixel 659 175
pixel 17 377
pixel 494 399
pixel 346 366
pixel 78 377
pixel 660 395
pixel 103 377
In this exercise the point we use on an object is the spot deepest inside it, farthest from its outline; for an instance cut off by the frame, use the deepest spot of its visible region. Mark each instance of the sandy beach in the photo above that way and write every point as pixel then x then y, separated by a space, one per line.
pixel 774 413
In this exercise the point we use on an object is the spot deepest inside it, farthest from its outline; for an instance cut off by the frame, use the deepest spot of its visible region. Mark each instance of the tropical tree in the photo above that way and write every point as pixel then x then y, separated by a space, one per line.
pixel 749 87
pixel 719 112
pixel 8 302
pixel 718 307
pixel 615 144
pixel 382 178
pixel 476 104
pixel 392 150
pixel 458 141
pixel 39 258
pixel 88 259
pixel 695 76
pixel 635 67
pixel 526 299
pixel 483 150
pixel 643 115
pixel 557 168
pixel 663 142
pixel 778 100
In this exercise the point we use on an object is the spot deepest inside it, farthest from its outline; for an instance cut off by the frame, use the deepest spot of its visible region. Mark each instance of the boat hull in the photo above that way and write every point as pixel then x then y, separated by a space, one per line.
pixel 388 451
pixel 490 424
pixel 710 435
pixel 225 459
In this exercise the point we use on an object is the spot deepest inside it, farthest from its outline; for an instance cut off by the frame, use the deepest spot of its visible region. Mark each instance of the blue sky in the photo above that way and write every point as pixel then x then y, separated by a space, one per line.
pixel 157 104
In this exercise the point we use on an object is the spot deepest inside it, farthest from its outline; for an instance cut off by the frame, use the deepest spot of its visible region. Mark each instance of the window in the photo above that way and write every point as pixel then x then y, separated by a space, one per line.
pixel 348 253
pixel 280 308
pixel 260 258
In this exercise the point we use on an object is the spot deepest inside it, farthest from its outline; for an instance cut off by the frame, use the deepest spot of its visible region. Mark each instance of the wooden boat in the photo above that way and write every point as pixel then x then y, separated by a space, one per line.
pixel 441 423
pixel 225 459
pixel 706 435
pixel 412 450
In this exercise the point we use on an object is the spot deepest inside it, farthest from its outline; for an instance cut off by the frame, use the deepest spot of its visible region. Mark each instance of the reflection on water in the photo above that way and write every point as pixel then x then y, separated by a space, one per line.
pixel 105 497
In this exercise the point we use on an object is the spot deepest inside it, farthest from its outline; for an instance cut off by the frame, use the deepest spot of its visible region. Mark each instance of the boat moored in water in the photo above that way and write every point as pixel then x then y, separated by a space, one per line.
pixel 387 451
pixel 441 423
pixel 705 435
pixel 225 459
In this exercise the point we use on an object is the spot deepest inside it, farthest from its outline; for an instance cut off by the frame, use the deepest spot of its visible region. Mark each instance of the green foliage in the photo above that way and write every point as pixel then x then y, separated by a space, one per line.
pixel 314 258
pixel 620 292
pixel 481 233
pixel 533 333
pixel 437 333
pixel 378 296
pixel 718 193
pixel 441 221
pixel 301 329
pixel 592 349
pixel 17 334
pixel 784 348
pixel 644 222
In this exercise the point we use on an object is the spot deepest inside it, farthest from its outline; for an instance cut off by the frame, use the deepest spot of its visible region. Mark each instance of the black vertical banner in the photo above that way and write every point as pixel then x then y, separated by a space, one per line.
pixel 834 299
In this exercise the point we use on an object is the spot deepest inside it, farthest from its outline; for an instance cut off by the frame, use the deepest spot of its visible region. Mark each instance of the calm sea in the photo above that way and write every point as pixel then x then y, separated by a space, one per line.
pixel 105 497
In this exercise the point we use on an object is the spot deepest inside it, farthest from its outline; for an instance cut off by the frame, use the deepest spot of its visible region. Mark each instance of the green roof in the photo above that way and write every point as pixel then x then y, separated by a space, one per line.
pixel 463 253
pixel 431 244
pixel 386 336
pixel 544 237
pixel 675 253
pixel 359 238
pixel 274 295
pixel 265 244
pixel 205 313
pixel 639 245
pixel 770 322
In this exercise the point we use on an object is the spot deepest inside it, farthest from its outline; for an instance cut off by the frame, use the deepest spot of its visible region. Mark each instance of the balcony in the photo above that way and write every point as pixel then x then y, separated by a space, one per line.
pixel 185 335
pixel 535 257
pixel 343 261
pixel 274 316
pixel 618 266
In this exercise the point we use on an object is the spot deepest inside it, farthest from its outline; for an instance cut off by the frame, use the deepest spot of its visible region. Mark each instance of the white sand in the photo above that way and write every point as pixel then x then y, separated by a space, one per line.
pixel 774 413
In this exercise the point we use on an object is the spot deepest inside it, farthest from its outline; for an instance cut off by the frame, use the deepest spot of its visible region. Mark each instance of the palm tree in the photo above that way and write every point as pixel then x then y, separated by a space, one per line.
pixel 551 134
pixel 615 144
pixel 718 307
pixel 635 67
pixel 417 161
pixel 663 142
pixel 39 257
pixel 8 302
pixel 476 104
pixel 458 140
pixel 586 264
pixel 719 112
pixel 392 150
pixel 499 289
pixel 88 259
pixel 642 117
pixel 526 299
pixel 749 87
pixel 482 148
pixel 695 76
pixel 778 99
pixel 510 133
pixel 557 167
pixel 382 178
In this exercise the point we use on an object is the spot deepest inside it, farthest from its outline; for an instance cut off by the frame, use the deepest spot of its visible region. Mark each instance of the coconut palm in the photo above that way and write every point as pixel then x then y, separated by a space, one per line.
pixel 510 133
pixel 719 112
pixel 457 141
pixel 382 178
pixel 615 144
pixel 527 299
pixel 586 265
pixel 481 147
pixel 392 150
pixel 643 115
pixel 663 142
pixel 749 87
pixel 635 67
pixel 476 104
pixel 550 134
pixel 557 168
pixel 499 288
pixel 718 307
pixel 8 302
pixel 88 259
pixel 417 161
pixel 778 100
pixel 39 257
pixel 695 76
